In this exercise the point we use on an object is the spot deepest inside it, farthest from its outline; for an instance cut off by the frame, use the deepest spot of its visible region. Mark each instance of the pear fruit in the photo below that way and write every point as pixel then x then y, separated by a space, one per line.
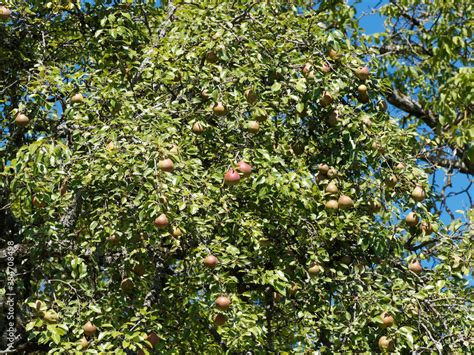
pixel 387 319
pixel 374 206
pixel 314 270
pixel 250 96
pixel 231 177
pixel 253 127
pixel 84 343
pixel 166 165
pixel 427 228
pixel 197 128
pixel 244 168
pixel 219 320
pixel 210 261
pixel 223 303
pixel 362 73
pixel 331 188
pixel 333 54
pixel 89 328
pixel 77 98
pixel 211 57
pixel 415 267
pixel 418 194
pixel 411 219
pixel 325 68
pixel 176 232
pixel 332 205
pixel 323 168
pixel 22 120
pixel 205 95
pixel 5 13
pixel 385 344
pixel 161 221
pixel 126 285
pixel 333 119
pixel 345 202
pixel 391 181
pixel 219 109
pixel 326 99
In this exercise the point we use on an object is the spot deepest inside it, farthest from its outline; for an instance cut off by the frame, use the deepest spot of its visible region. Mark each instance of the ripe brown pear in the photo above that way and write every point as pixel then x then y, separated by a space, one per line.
pixel 385 344
pixel 244 168
pixel 253 127
pixel 77 98
pixel 219 109
pixel 306 68
pixel 411 219
pixel 197 128
pixel 325 68
pixel 415 267
pixel 126 285
pixel 210 261
pixel 298 147
pixel 211 57
pixel 113 239
pixel 153 339
pixel 332 205
pixel 231 177
pixel 89 328
pixel 387 319
pixel 223 303
pixel 418 194
pixel 5 13
pixel 326 99
pixel 333 118
pixel 345 202
pixel 374 206
pixel 161 221
pixel 219 320
pixel 400 166
pixel 277 297
pixel 22 120
pixel 139 269
pixel 314 270
pixel 363 96
pixel 362 89
pixel 84 343
pixel 427 228
pixel 391 181
pixel 205 95
pixel 250 96
pixel 323 169
pixel 331 188
pixel 362 73
pixel 166 165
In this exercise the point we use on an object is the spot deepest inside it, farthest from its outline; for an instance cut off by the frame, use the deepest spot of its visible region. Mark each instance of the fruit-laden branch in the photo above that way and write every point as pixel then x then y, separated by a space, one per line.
pixel 414 108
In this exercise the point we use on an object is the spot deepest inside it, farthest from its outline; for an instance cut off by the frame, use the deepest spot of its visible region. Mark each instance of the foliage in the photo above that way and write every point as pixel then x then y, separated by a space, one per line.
pixel 83 185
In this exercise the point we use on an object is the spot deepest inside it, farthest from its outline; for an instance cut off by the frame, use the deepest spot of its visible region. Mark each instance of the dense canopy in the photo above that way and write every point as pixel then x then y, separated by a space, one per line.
pixel 218 176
